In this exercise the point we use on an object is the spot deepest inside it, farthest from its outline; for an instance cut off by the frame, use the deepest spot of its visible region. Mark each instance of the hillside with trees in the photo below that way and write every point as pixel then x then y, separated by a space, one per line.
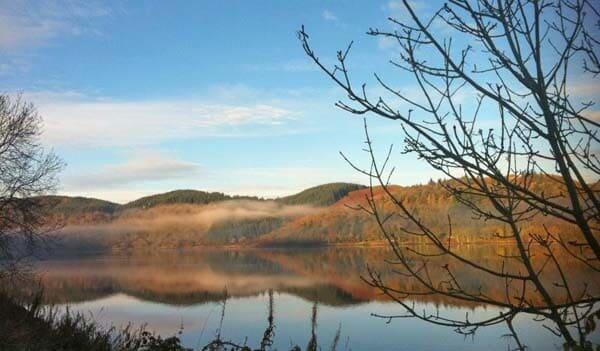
pixel 182 197
pixel 189 218
pixel 345 222
pixel 322 195
pixel 67 210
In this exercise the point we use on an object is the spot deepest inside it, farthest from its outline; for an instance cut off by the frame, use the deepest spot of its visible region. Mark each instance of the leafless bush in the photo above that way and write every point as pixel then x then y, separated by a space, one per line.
pixel 518 62
pixel 26 171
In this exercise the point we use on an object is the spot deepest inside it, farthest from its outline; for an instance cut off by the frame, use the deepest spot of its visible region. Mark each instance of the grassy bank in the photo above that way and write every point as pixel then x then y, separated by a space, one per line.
pixel 26 326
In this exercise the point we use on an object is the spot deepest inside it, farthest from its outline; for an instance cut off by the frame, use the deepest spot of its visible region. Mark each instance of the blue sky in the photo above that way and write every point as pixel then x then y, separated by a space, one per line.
pixel 144 97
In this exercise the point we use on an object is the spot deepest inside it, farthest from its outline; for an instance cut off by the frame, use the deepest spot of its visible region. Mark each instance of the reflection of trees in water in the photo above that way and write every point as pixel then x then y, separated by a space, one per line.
pixel 268 338
pixel 340 265
pixel 191 277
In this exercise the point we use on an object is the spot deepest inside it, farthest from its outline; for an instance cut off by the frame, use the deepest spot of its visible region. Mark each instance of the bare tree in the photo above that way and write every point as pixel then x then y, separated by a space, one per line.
pixel 519 60
pixel 26 171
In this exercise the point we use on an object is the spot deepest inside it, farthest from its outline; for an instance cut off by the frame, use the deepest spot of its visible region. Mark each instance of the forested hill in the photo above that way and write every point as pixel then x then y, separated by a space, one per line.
pixel 77 204
pixel 319 215
pixel 196 197
pixel 77 210
pixel 322 195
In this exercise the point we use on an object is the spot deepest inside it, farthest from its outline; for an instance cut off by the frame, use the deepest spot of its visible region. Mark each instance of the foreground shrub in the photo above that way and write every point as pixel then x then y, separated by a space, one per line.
pixel 28 326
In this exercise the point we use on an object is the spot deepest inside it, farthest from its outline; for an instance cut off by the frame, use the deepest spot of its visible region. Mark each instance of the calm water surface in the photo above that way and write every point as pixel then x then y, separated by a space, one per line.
pixel 168 290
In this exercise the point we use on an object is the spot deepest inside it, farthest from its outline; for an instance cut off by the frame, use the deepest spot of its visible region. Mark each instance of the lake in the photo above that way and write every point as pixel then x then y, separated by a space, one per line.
pixel 172 289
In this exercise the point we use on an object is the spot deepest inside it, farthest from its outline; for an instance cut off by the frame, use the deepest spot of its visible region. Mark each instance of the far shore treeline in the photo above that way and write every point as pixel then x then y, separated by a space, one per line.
pixel 322 215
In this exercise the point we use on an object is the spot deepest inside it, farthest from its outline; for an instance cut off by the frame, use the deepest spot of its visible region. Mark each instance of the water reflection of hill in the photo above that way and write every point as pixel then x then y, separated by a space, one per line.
pixel 181 278
pixel 331 276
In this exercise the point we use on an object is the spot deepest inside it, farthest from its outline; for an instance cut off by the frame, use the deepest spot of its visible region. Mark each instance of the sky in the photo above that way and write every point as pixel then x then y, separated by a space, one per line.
pixel 146 97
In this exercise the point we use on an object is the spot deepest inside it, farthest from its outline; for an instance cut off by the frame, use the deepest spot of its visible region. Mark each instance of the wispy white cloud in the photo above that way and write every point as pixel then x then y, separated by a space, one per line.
pixel 25 24
pixel 329 16
pixel 19 32
pixel 584 87
pixel 13 65
pixel 423 9
pixel 71 118
pixel 387 43
pixel 594 115
pixel 292 66
pixel 415 5
pixel 397 10
pixel 333 18
pixel 145 166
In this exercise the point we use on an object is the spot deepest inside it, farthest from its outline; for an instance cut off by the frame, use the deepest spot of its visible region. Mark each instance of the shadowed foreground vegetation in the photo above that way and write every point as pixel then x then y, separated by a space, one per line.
pixel 28 326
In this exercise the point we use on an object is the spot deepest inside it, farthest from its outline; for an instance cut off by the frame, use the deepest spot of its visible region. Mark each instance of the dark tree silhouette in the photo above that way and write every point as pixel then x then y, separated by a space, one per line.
pixel 26 171
pixel 517 68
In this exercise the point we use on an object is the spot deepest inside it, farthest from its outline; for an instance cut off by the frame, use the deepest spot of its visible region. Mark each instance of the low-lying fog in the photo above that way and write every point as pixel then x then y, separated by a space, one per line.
pixel 185 221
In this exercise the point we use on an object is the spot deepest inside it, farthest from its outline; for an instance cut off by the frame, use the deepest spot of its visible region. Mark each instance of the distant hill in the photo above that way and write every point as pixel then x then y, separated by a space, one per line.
pixel 315 216
pixel 78 210
pixel 431 202
pixel 321 195
pixel 78 204
pixel 183 197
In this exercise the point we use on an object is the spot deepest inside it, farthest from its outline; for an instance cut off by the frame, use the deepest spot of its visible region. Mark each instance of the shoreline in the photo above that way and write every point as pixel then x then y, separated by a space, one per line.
pixel 379 244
